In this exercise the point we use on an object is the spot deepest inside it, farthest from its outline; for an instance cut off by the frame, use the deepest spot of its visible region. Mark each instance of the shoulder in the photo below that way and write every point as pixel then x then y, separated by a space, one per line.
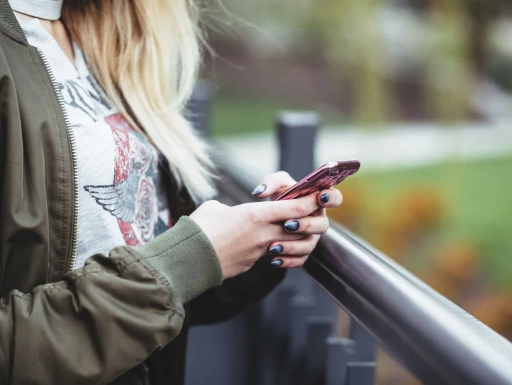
pixel 9 26
pixel 13 42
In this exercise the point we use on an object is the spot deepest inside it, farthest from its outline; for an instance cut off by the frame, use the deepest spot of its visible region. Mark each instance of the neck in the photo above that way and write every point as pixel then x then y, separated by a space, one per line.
pixel 56 29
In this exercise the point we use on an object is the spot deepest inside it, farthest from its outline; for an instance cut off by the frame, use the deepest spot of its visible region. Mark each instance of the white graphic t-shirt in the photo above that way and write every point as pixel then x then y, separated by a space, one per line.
pixel 120 198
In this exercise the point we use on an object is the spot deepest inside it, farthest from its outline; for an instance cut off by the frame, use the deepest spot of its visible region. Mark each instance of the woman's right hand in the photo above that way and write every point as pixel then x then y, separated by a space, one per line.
pixel 242 234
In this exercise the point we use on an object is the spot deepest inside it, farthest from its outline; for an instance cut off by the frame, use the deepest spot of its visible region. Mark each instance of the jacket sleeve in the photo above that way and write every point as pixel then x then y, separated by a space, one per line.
pixel 235 294
pixel 105 318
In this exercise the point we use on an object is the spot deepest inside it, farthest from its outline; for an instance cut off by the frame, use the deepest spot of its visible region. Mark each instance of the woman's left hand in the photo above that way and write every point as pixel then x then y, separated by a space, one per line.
pixel 308 229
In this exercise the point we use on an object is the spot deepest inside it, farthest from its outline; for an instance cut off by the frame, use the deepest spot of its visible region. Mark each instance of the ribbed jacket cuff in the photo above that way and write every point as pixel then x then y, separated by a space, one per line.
pixel 185 256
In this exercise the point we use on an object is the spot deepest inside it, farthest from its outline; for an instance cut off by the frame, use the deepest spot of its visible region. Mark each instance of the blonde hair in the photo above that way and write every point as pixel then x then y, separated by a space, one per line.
pixel 145 54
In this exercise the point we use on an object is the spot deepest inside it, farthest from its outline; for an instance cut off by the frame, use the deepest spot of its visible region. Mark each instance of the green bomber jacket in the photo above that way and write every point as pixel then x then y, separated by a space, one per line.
pixel 90 325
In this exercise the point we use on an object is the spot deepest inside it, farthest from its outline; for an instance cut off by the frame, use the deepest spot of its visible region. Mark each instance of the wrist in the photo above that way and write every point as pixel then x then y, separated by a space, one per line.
pixel 185 256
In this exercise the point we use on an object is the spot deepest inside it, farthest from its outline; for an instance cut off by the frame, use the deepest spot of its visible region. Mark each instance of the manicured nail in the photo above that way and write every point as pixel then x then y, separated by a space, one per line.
pixel 259 189
pixel 277 263
pixel 325 198
pixel 292 225
pixel 276 250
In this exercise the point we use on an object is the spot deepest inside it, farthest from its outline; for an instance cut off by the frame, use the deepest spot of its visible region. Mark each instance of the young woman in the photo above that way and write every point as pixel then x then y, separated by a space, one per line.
pixel 101 269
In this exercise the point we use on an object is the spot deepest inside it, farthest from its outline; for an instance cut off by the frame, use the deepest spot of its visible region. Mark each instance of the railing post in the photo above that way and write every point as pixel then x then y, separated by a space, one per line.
pixel 350 361
pixel 365 343
pixel 339 352
pixel 318 330
pixel 274 324
pixel 199 107
pixel 360 373
pixel 297 133
pixel 301 308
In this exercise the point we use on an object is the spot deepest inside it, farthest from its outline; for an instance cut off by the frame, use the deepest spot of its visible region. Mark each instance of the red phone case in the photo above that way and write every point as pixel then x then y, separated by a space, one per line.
pixel 327 176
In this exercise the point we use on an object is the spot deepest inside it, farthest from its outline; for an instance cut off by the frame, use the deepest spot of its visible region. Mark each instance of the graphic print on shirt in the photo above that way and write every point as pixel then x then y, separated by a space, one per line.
pixel 96 93
pixel 75 96
pixel 133 196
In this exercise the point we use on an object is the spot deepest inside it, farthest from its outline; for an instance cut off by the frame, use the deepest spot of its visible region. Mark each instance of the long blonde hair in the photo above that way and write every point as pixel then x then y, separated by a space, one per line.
pixel 145 54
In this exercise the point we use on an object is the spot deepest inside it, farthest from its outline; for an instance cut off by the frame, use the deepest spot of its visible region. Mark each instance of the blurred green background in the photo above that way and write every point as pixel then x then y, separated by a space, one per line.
pixel 403 70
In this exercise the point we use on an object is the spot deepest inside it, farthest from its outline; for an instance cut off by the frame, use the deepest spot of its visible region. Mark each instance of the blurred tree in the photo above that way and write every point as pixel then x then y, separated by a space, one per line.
pixel 449 70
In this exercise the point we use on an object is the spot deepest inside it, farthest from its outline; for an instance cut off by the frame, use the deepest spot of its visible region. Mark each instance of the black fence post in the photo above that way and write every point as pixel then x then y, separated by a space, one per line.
pixel 199 107
pixel 338 361
pixel 297 133
pixel 318 330
pixel 339 351
pixel 300 308
pixel 274 322
pixel 365 343
pixel 360 373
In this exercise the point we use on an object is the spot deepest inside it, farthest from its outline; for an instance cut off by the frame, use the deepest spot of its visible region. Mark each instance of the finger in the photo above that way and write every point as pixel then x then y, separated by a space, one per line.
pixel 279 211
pixel 330 198
pixel 289 262
pixel 295 248
pixel 277 232
pixel 307 225
pixel 319 213
pixel 273 184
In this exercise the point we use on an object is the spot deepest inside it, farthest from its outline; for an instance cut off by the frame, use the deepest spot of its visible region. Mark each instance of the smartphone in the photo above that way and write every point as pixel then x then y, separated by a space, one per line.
pixel 325 177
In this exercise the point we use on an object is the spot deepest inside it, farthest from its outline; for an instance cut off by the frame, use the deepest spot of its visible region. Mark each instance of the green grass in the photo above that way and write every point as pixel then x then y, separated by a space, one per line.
pixel 241 114
pixel 476 200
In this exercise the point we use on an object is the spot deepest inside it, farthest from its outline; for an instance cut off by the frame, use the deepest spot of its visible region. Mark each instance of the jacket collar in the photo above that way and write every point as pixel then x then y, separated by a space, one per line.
pixel 9 24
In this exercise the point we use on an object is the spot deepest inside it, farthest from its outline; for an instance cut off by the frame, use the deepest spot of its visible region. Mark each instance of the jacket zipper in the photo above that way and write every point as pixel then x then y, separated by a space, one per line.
pixel 72 143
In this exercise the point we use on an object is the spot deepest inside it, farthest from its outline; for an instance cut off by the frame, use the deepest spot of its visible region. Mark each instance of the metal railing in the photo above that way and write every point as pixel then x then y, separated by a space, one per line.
pixel 435 339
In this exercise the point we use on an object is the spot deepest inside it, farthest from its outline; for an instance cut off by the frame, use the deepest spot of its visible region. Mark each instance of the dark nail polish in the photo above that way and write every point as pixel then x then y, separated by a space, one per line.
pixel 276 250
pixel 325 198
pixel 259 189
pixel 292 225
pixel 277 263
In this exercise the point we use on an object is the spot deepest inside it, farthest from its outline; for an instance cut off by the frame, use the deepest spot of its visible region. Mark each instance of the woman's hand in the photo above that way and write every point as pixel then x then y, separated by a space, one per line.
pixel 295 253
pixel 243 234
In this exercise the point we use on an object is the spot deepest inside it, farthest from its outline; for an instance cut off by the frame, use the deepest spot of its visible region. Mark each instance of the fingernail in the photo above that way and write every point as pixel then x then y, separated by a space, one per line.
pixel 259 189
pixel 292 225
pixel 325 198
pixel 276 250
pixel 277 263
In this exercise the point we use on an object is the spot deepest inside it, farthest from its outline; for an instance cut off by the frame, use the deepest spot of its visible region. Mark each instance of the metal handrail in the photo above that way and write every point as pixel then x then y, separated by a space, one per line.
pixel 436 340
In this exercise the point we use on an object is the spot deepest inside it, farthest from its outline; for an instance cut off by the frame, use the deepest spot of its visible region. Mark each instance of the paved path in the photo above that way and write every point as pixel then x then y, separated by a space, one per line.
pixel 397 146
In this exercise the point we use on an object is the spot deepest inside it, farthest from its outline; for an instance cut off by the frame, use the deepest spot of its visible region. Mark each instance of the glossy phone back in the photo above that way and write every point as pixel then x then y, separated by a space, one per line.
pixel 325 177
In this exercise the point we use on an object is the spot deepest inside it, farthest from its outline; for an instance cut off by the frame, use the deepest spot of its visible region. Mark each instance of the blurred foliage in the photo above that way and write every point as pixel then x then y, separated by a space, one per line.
pixel 448 67
pixel 372 46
